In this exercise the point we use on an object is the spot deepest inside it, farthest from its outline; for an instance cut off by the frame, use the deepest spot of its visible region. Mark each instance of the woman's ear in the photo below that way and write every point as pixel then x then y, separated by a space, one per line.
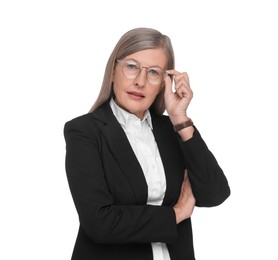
pixel 114 72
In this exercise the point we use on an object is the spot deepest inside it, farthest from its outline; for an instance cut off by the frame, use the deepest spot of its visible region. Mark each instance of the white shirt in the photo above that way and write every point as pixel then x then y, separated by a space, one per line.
pixel 140 136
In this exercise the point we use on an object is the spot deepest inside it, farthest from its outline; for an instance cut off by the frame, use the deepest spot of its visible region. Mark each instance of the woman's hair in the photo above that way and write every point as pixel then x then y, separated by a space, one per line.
pixel 133 41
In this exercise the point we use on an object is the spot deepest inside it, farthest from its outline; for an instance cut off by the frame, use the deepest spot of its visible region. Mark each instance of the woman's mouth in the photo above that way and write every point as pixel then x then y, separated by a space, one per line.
pixel 136 95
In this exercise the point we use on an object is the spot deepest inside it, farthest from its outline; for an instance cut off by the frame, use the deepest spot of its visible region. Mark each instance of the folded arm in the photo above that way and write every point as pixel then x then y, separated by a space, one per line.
pixel 209 184
pixel 101 219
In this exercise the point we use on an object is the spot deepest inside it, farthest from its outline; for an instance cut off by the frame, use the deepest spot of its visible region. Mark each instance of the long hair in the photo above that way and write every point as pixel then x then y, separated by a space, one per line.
pixel 133 41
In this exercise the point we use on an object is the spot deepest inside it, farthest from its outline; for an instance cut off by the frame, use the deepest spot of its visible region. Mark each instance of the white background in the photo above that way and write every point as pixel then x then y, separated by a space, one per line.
pixel 52 59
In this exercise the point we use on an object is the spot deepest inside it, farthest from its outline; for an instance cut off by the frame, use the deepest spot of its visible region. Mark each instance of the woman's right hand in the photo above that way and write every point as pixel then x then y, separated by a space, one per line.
pixel 186 202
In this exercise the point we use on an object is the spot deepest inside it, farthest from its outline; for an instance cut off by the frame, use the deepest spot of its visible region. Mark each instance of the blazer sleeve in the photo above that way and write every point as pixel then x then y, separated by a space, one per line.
pixel 209 184
pixel 102 220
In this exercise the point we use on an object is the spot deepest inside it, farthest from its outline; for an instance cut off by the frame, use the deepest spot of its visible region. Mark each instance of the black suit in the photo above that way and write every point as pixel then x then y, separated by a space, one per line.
pixel 110 191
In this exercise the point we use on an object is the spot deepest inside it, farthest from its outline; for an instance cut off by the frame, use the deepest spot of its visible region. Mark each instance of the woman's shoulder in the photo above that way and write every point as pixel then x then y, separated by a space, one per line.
pixel 83 123
pixel 91 121
pixel 80 120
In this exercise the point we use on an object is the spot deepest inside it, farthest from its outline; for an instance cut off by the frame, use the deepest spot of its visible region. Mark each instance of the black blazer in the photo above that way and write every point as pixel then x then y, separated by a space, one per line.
pixel 110 192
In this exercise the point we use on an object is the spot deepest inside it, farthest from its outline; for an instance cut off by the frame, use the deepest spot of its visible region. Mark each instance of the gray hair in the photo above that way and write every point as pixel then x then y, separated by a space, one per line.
pixel 133 41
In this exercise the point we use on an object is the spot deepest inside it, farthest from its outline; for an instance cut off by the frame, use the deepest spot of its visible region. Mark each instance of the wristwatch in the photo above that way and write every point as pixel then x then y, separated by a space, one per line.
pixel 183 125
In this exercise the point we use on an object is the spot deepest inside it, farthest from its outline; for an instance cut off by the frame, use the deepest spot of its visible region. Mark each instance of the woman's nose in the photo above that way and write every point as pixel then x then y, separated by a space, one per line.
pixel 140 80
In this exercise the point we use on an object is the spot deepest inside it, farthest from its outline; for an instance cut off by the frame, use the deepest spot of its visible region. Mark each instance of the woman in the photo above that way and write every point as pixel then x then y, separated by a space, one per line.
pixel 135 174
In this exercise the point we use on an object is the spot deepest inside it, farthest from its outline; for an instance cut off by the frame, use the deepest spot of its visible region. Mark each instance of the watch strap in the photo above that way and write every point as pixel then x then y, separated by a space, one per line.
pixel 183 125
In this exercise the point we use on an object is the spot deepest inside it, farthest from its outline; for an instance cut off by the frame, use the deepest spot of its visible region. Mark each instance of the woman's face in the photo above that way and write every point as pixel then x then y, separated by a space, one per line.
pixel 136 95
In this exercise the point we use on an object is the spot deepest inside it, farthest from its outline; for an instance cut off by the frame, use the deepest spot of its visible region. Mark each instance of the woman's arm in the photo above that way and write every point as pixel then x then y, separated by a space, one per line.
pixel 209 184
pixel 100 218
pixel 186 202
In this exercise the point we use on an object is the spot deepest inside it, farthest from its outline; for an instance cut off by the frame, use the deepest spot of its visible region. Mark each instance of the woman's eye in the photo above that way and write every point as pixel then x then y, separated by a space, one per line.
pixel 153 72
pixel 132 66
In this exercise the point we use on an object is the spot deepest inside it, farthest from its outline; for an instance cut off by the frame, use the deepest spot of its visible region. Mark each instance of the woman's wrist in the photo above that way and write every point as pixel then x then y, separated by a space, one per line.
pixel 181 213
pixel 184 124
pixel 176 120
pixel 184 127
pixel 186 133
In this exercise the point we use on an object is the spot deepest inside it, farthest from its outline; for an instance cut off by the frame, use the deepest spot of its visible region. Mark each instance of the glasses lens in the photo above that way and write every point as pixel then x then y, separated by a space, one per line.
pixel 131 69
pixel 155 75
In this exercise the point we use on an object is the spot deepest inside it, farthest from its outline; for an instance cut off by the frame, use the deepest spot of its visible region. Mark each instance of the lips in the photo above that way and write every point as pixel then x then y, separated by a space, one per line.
pixel 136 94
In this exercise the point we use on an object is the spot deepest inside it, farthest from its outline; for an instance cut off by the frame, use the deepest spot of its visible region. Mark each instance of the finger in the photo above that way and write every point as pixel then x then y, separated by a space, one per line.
pixel 173 72
pixel 182 78
pixel 168 85
pixel 178 75
pixel 184 92
pixel 180 92
pixel 182 83
pixel 183 87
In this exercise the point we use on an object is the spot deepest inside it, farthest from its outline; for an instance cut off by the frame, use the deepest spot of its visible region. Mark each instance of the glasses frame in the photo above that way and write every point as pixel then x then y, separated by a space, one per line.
pixel 161 71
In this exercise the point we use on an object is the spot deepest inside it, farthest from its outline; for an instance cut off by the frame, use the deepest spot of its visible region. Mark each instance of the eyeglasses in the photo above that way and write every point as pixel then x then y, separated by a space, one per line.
pixel 131 69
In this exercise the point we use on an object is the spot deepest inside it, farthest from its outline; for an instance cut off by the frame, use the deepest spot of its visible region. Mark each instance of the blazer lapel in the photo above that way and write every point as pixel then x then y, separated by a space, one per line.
pixel 122 151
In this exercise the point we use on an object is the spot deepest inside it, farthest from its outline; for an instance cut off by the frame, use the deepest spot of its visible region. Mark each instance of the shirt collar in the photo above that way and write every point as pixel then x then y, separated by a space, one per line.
pixel 124 117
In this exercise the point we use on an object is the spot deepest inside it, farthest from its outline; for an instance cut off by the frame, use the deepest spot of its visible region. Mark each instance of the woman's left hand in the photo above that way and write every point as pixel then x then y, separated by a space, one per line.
pixel 186 202
pixel 177 102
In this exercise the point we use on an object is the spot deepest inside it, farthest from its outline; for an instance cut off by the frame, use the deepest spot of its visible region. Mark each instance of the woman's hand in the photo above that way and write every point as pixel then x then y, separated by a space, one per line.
pixel 186 202
pixel 177 102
